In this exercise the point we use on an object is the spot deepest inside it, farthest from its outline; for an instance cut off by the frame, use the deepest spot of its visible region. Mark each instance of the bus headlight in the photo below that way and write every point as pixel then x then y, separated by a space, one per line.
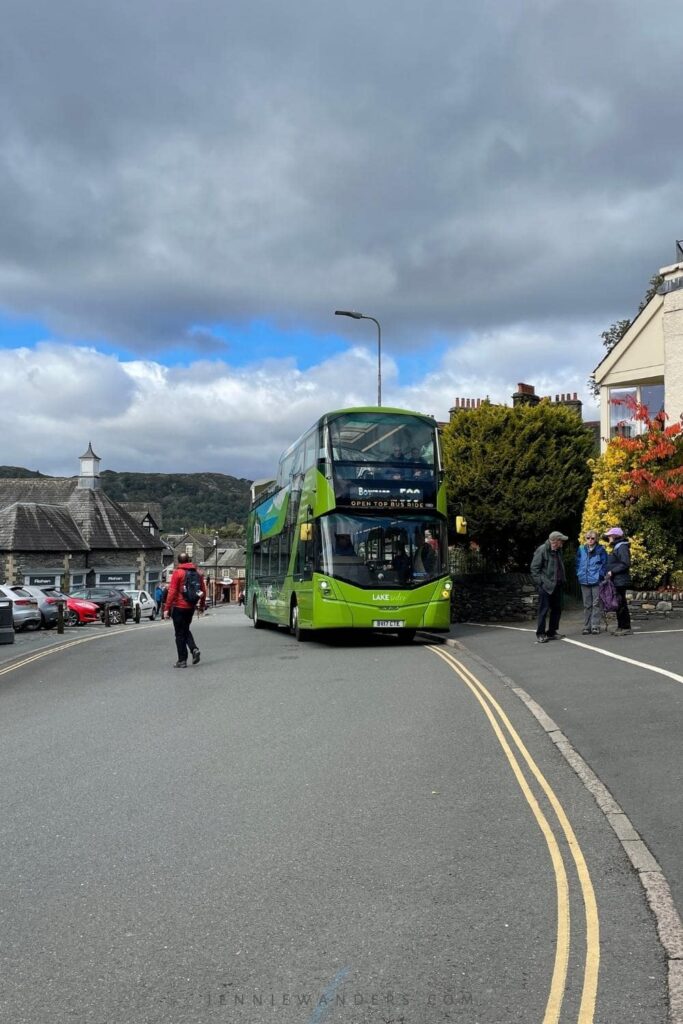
pixel 447 587
pixel 326 590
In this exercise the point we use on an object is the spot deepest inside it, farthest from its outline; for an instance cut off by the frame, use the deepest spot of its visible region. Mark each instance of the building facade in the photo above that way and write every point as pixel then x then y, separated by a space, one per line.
pixel 646 365
pixel 67 532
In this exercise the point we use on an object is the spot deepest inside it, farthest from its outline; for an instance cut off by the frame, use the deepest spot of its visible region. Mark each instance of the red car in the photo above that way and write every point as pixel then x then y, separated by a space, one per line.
pixel 77 611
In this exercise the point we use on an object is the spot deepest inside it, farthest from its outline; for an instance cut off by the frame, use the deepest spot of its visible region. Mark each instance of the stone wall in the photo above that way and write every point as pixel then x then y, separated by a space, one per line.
pixel 512 597
pixel 487 597
pixel 655 604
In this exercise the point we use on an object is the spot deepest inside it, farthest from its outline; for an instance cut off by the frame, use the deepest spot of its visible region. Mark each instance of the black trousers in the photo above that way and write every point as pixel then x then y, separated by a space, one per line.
pixel 623 613
pixel 182 619
pixel 549 603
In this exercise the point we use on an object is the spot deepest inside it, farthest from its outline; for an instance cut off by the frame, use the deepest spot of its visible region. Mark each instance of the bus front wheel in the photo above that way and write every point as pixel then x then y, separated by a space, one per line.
pixel 294 625
pixel 406 636
pixel 255 615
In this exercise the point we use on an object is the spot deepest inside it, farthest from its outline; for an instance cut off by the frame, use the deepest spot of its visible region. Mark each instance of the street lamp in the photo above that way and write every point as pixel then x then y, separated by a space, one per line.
pixel 215 582
pixel 364 316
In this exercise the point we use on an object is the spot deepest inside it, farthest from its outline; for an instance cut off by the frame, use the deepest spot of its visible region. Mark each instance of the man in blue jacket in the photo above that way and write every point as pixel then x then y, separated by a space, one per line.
pixel 591 569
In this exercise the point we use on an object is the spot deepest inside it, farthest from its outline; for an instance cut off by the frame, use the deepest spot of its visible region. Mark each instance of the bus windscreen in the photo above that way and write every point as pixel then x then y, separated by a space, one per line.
pixel 383 460
pixel 383 550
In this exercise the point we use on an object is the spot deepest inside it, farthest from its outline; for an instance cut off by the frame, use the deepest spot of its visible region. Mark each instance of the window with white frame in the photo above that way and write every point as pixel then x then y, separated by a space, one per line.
pixel 621 399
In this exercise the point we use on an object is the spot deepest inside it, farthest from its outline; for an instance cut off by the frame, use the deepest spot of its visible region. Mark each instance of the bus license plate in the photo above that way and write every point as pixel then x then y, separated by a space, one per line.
pixel 388 623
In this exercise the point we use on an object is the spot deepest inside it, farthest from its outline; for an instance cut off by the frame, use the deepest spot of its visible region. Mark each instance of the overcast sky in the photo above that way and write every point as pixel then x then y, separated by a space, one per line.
pixel 189 190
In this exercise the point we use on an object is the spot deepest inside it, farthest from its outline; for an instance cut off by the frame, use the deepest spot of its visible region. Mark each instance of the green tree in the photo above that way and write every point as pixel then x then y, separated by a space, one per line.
pixel 517 473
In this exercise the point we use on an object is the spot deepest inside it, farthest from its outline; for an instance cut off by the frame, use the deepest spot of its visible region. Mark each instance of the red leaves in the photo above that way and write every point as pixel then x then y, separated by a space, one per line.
pixel 657 454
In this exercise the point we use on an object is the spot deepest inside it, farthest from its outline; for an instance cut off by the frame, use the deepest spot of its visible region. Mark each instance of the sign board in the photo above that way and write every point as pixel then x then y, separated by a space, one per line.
pixel 42 581
pixel 362 496
pixel 115 577
pixel 226 581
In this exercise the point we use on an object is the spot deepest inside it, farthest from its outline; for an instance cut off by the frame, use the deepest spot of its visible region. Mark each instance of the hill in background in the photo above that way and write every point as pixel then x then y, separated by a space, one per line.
pixel 187 499
pixel 15 472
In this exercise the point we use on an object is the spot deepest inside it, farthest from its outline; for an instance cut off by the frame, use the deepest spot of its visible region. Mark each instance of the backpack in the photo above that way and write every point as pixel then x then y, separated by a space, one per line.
pixel 609 599
pixel 192 586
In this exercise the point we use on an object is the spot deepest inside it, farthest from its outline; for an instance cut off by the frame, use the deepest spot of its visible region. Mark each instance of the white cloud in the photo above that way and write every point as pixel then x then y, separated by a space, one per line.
pixel 142 416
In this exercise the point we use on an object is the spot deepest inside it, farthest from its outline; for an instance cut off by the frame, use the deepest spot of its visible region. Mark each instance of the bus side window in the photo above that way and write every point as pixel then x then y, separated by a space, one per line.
pixel 265 557
pixel 285 548
pixel 311 444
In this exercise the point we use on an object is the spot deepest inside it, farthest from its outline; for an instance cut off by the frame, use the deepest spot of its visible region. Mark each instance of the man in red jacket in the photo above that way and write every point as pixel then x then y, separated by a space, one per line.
pixel 180 607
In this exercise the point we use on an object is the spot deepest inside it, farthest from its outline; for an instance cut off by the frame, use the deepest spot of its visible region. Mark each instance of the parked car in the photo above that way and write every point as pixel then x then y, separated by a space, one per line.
pixel 48 605
pixel 120 605
pixel 25 611
pixel 148 606
pixel 77 611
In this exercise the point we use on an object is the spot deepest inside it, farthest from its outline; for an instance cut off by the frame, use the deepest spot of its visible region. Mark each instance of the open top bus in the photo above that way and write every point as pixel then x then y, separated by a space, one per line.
pixel 351 533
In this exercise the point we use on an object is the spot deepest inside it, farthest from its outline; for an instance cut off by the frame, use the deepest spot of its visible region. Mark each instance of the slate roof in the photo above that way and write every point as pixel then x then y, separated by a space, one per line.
pixel 105 524
pixel 26 526
pixel 228 558
pixel 99 520
pixel 139 509
pixel 233 557
pixel 51 491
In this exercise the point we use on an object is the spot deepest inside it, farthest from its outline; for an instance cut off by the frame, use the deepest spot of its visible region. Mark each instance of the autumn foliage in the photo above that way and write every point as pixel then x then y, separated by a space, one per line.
pixel 657 456
pixel 638 485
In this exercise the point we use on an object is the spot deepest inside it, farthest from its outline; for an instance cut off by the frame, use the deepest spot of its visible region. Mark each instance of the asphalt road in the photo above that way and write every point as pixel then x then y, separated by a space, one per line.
pixel 610 698
pixel 352 830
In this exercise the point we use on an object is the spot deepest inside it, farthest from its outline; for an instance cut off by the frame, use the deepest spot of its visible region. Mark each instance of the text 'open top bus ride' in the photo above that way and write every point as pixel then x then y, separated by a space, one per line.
pixel 352 533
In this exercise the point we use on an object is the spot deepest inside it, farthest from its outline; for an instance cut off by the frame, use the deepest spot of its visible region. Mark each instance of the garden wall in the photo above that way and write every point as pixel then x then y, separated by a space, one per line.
pixel 512 597
pixel 656 604
pixel 490 597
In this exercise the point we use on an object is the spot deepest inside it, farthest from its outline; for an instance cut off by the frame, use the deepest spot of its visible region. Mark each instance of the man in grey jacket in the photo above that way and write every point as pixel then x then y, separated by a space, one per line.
pixel 547 572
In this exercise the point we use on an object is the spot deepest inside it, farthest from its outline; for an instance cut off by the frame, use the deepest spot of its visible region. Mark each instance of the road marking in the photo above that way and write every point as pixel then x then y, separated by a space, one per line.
pixel 599 650
pixel 630 661
pixel 28 659
pixel 592 960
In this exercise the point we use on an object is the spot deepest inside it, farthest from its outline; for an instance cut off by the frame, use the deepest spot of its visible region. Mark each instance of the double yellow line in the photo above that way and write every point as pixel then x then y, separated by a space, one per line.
pixel 501 726
pixel 53 649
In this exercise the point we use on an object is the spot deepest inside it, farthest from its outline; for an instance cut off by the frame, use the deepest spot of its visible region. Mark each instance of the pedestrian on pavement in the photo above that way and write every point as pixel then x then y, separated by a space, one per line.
pixel 547 572
pixel 591 568
pixel 186 593
pixel 158 596
pixel 618 570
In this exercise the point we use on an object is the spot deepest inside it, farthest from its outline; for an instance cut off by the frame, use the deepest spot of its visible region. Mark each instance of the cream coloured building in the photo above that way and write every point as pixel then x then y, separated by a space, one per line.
pixel 647 364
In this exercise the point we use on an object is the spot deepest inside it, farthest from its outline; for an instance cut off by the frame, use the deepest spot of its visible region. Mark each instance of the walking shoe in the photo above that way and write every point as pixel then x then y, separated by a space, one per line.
pixel 180 664
pixel 596 632
pixel 623 632
pixel 586 632
pixel 196 655
pixel 555 636
pixel 542 639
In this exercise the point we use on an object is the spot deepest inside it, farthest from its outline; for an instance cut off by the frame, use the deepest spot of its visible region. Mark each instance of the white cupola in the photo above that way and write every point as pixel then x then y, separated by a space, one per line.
pixel 90 469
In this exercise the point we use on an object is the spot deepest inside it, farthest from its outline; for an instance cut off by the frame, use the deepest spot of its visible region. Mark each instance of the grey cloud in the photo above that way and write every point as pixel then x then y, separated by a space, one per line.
pixel 457 167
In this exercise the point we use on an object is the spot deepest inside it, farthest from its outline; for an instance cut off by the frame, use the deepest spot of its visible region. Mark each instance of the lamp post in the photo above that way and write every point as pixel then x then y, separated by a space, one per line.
pixel 364 316
pixel 215 582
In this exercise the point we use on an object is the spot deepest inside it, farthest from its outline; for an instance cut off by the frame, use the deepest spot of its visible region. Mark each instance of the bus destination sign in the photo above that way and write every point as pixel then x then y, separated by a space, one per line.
pixel 386 497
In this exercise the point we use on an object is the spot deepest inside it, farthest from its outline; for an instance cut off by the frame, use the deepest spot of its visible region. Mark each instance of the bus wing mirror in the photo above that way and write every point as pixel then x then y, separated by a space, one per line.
pixel 460 524
pixel 306 532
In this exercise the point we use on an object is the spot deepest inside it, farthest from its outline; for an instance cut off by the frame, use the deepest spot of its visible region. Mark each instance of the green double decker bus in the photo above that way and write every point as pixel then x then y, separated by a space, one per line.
pixel 352 532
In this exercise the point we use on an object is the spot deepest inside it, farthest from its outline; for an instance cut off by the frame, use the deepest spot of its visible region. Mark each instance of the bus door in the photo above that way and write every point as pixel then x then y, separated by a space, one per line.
pixel 302 577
